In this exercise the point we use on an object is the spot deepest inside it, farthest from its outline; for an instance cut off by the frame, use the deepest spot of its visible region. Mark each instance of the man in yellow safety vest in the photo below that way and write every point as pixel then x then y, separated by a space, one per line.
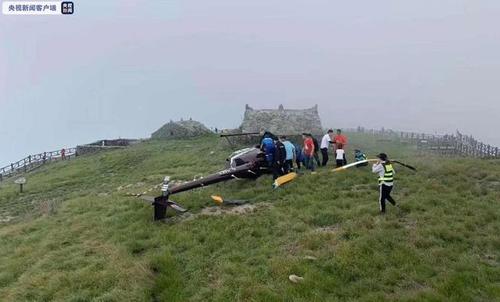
pixel 385 172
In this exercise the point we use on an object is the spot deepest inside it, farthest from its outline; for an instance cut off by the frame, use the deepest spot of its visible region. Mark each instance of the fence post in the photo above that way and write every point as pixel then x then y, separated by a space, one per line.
pixel 467 146
pixel 474 145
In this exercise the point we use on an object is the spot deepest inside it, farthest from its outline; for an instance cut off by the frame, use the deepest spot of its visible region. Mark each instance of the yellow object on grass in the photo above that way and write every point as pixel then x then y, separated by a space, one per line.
pixel 217 199
pixel 284 179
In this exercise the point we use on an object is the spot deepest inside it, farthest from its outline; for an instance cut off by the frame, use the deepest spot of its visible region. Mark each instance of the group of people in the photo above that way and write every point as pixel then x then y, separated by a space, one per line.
pixel 339 142
pixel 281 154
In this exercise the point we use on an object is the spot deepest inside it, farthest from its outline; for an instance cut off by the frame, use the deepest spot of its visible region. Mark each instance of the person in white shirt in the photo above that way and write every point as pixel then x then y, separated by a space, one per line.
pixel 325 143
pixel 386 173
pixel 339 155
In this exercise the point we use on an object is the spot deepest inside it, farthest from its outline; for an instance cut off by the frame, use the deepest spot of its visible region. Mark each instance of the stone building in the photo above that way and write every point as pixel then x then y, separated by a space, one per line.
pixel 282 121
pixel 180 129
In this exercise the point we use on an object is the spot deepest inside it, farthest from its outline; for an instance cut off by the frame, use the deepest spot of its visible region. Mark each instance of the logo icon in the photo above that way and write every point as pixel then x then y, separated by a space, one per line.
pixel 67 8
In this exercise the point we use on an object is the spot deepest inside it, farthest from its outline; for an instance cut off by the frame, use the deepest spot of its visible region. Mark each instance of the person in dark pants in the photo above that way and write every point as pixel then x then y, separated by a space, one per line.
pixel 290 155
pixel 269 148
pixel 341 139
pixel 385 173
pixel 308 151
pixel 299 156
pixel 325 144
pixel 279 159
pixel 316 148
pixel 339 155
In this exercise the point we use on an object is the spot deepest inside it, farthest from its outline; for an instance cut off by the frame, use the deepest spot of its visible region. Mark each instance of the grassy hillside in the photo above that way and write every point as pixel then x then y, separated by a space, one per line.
pixel 74 236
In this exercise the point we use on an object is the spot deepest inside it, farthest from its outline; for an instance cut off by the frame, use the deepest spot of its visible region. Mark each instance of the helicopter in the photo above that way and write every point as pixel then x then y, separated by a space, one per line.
pixel 247 163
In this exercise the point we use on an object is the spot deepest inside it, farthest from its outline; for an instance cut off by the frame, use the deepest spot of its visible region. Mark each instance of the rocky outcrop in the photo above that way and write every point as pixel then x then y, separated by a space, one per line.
pixel 282 121
pixel 181 129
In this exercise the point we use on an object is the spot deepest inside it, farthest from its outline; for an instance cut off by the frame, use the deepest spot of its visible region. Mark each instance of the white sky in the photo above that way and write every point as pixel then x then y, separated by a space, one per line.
pixel 124 68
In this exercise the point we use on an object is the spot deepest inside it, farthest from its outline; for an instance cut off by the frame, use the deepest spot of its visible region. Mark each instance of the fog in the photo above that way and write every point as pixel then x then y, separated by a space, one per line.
pixel 124 68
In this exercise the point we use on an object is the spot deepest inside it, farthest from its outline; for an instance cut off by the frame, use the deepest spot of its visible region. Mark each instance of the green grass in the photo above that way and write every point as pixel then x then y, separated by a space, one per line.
pixel 76 237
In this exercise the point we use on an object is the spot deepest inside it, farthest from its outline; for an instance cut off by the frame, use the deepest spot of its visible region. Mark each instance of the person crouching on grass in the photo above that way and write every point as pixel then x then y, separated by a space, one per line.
pixel 385 171
pixel 340 155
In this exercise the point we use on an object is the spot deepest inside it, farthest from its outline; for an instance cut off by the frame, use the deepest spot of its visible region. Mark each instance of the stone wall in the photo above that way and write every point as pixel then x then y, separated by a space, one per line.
pixel 282 121
pixel 105 145
pixel 91 149
pixel 115 142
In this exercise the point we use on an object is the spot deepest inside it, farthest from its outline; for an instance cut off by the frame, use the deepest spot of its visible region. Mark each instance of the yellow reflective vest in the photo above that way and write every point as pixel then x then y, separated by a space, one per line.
pixel 388 174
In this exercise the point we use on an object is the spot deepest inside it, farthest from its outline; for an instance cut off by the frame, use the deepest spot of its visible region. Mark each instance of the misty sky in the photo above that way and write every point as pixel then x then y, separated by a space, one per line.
pixel 124 68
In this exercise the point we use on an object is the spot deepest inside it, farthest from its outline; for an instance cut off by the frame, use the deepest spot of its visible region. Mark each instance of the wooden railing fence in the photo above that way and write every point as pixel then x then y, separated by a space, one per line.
pixel 32 162
pixel 448 144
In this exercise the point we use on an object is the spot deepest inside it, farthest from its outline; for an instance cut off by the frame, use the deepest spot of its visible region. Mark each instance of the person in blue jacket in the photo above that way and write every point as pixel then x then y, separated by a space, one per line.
pixel 268 147
pixel 290 155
